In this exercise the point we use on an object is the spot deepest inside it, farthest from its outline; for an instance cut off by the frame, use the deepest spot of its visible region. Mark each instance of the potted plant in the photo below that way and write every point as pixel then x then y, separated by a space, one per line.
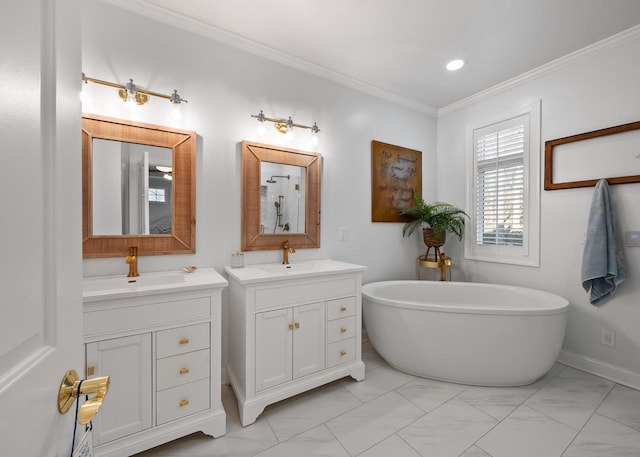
pixel 439 216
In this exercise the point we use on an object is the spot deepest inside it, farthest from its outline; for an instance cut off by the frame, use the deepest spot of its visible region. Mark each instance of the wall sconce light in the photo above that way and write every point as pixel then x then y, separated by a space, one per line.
pixel 285 126
pixel 130 93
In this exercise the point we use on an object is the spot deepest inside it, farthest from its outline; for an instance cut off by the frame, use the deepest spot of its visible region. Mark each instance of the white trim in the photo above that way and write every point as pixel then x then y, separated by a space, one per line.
pixel 530 250
pixel 175 19
pixel 599 368
pixel 607 44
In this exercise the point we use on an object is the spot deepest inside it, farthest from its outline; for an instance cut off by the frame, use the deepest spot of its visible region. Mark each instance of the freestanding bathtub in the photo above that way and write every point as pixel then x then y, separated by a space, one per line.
pixel 467 333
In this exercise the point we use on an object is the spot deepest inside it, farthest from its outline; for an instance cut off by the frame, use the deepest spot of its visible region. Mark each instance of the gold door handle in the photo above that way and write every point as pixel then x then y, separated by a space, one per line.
pixel 184 402
pixel 184 340
pixel 343 330
pixel 343 353
pixel 184 370
pixel 71 387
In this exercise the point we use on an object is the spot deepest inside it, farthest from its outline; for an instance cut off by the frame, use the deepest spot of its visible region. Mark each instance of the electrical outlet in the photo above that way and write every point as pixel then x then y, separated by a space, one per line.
pixel 608 337
pixel 342 233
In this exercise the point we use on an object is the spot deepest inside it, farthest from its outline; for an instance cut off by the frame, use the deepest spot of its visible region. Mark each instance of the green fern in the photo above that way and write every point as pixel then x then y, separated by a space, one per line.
pixel 441 217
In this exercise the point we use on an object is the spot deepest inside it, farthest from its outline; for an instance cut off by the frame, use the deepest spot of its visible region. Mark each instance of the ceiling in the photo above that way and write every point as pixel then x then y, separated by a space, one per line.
pixel 397 49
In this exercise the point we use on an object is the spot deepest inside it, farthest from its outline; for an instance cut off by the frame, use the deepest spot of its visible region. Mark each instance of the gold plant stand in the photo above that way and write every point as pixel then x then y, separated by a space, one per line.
pixel 443 263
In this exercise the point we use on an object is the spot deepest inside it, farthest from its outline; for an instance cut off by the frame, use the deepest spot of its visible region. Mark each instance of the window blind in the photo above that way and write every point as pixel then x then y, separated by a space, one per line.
pixel 500 182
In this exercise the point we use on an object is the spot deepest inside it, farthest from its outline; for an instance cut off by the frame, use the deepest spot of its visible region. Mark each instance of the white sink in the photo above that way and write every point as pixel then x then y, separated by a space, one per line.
pixel 166 281
pixel 277 271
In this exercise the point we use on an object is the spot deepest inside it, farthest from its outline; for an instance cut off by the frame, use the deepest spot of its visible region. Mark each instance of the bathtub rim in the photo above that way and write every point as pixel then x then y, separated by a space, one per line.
pixel 561 304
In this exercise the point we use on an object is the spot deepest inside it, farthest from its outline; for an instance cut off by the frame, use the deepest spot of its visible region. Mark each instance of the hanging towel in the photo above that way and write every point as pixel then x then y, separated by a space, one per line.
pixel 603 268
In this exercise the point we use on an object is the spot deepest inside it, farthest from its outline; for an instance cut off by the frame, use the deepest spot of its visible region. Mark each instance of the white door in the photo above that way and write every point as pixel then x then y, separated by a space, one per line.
pixel 40 222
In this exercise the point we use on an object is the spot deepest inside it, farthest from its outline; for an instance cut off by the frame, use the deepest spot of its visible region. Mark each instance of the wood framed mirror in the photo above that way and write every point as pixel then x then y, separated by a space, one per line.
pixel 138 188
pixel 280 197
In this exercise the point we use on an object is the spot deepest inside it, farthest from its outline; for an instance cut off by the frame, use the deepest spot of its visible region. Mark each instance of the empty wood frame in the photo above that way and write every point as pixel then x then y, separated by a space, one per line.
pixel 612 153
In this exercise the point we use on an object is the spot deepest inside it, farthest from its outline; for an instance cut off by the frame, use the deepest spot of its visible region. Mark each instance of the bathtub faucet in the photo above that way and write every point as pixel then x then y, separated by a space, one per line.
pixel 443 263
pixel 286 249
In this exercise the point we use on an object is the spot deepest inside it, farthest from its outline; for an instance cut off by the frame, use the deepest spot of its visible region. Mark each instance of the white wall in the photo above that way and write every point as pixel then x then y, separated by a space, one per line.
pixel 224 86
pixel 597 91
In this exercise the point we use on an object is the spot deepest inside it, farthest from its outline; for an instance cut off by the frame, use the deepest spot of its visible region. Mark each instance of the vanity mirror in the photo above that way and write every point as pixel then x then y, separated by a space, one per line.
pixel 280 197
pixel 138 188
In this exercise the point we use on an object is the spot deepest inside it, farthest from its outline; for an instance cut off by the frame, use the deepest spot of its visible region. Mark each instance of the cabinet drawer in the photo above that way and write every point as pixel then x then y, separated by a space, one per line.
pixel 182 369
pixel 341 307
pixel 341 352
pixel 182 339
pixel 341 329
pixel 182 401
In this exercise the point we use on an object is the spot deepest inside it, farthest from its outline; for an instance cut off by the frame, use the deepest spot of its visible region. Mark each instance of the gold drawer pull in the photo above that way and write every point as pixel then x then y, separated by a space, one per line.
pixel 343 353
pixel 343 330
pixel 343 309
pixel 91 370
pixel 184 370
pixel 184 402
pixel 297 324
pixel 184 340
pixel 290 326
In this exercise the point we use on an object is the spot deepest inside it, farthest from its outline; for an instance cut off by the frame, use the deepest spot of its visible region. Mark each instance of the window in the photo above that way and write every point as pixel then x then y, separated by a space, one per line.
pixel 503 189
pixel 156 195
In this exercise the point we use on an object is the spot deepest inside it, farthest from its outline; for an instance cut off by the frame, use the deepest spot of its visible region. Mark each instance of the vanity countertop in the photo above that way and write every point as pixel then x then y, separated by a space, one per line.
pixel 110 287
pixel 305 269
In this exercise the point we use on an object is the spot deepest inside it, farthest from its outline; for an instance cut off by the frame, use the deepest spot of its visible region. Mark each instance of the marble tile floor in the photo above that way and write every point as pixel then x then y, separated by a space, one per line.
pixel 567 413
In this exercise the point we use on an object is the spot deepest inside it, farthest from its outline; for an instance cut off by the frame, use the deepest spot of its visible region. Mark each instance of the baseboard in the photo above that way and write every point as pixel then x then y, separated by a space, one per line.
pixel 599 368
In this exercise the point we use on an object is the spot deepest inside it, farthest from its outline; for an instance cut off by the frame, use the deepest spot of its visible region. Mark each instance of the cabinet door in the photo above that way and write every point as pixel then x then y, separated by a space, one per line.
pixel 127 361
pixel 274 330
pixel 308 339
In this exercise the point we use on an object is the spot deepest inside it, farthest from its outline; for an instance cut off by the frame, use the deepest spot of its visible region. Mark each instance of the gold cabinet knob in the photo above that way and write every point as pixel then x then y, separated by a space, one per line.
pixel 343 309
pixel 91 370
pixel 290 326
pixel 184 370
pixel 343 353
pixel 184 402
pixel 343 330
pixel 184 340
pixel 297 324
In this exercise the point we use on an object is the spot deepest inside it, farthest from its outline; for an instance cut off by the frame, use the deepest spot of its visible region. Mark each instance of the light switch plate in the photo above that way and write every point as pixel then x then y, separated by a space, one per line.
pixel 632 239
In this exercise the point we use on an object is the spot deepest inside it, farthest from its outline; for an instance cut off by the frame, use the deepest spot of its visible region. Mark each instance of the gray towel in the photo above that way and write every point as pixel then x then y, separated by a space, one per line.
pixel 603 267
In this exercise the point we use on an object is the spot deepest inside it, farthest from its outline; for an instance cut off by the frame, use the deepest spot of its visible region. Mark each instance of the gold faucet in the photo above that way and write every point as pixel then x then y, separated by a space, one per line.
pixel 132 260
pixel 286 249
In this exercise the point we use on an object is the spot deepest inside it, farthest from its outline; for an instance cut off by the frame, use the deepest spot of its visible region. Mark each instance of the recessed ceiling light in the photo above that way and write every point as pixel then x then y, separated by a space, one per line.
pixel 456 64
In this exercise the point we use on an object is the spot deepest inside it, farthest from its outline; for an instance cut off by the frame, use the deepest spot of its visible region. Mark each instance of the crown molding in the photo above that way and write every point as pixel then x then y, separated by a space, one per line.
pixel 599 47
pixel 175 19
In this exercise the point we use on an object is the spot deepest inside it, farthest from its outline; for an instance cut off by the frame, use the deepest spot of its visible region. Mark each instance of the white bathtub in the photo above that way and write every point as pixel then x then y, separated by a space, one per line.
pixel 467 333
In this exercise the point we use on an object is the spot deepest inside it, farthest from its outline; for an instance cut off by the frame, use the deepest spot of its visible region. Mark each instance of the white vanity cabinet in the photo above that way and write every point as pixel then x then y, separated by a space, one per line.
pixel 291 329
pixel 158 338
pixel 289 344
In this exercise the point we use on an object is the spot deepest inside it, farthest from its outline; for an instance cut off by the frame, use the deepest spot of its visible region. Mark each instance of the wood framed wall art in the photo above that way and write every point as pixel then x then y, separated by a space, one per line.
pixel 395 173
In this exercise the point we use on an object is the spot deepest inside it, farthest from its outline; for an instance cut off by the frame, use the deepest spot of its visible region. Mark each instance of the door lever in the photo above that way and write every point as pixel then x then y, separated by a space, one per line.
pixel 71 388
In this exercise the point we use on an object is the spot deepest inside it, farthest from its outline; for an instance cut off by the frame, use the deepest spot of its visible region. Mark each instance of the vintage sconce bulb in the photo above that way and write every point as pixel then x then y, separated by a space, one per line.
pixel 260 117
pixel 131 95
pixel 83 93
pixel 176 100
pixel 314 134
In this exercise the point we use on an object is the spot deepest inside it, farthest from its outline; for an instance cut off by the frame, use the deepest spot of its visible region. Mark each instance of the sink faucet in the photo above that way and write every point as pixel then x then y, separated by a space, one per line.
pixel 132 260
pixel 286 249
